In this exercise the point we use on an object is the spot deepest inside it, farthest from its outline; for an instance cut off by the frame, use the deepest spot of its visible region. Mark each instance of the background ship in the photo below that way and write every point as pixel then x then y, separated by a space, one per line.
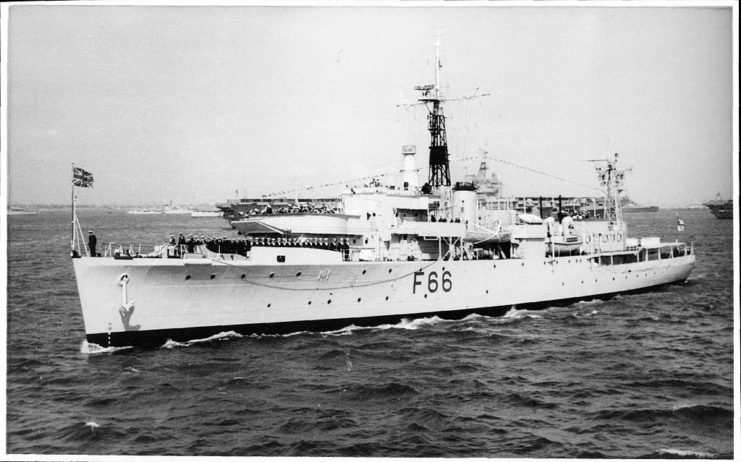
pixel 722 209
pixel 166 209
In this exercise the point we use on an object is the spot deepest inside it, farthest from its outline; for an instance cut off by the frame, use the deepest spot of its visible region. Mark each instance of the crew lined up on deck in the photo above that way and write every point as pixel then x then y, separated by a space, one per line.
pixel 295 208
pixel 242 246
pixel 314 243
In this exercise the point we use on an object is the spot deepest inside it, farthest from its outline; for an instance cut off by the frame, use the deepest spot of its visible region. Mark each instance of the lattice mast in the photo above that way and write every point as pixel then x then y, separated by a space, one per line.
pixel 612 180
pixel 439 170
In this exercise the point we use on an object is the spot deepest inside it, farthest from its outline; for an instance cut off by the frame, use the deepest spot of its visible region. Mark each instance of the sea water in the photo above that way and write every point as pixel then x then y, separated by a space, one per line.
pixel 640 375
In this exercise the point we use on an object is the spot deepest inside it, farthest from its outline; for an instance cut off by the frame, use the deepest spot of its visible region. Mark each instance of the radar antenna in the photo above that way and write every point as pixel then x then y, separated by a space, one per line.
pixel 612 180
pixel 432 98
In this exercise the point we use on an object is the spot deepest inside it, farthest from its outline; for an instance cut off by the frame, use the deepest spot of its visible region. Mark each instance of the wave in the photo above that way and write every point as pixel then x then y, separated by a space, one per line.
pixel 697 386
pixel 387 391
pixel 90 430
pixel 528 401
pixel 406 324
pixel 697 413
pixel 514 313
pixel 220 336
pixel 681 454
pixel 170 344
pixel 95 349
pixel 577 314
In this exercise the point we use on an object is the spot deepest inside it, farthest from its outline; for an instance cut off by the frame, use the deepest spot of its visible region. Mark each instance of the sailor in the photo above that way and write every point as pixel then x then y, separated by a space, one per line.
pixel 191 244
pixel 92 242
pixel 172 239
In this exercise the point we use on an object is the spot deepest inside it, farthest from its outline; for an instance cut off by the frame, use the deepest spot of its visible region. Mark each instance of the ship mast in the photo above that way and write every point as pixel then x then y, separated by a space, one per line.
pixel 439 171
pixel 612 180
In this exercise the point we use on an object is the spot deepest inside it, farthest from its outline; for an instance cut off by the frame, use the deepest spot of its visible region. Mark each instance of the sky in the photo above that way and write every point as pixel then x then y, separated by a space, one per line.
pixel 195 105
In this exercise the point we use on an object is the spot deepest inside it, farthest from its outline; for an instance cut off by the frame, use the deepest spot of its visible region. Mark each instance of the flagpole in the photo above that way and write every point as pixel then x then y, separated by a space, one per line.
pixel 72 241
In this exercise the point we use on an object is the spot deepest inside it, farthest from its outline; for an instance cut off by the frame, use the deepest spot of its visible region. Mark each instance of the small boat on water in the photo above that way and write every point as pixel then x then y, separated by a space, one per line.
pixel 386 253
pixel 631 208
pixel 20 211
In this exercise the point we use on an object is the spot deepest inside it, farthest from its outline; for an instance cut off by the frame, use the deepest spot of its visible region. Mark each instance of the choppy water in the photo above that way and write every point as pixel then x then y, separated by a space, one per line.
pixel 645 375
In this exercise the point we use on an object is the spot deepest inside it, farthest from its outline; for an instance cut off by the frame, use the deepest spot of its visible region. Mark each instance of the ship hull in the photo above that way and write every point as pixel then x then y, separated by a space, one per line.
pixel 648 208
pixel 722 211
pixel 181 300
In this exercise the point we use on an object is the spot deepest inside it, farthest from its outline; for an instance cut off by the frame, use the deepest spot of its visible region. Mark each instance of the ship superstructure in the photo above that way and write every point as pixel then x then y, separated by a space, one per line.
pixel 720 208
pixel 384 253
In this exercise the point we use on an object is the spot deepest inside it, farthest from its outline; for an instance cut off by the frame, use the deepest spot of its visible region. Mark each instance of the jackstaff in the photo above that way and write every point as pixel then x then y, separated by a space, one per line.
pixel 83 179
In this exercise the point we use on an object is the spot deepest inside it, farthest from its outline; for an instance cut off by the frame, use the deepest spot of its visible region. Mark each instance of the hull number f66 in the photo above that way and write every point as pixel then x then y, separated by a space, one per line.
pixel 434 282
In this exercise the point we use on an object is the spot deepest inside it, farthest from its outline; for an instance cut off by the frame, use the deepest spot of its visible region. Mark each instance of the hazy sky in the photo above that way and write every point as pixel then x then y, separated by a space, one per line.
pixel 190 104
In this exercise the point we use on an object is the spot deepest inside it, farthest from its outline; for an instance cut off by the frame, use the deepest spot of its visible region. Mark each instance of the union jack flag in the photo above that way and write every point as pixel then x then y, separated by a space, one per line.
pixel 82 178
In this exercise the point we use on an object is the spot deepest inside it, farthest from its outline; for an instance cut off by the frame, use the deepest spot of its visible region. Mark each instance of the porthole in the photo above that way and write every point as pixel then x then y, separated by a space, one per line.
pixel 213 276
pixel 329 302
pixel 364 271
pixel 387 298
pixel 298 274
pixel 523 263
pixel 389 270
pixel 309 302
pixel 243 276
pixel 187 276
pixel 268 305
pixel 487 291
pixel 358 300
pixel 271 275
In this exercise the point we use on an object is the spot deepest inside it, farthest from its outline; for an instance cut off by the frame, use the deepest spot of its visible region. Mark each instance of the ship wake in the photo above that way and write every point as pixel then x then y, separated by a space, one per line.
pixel 95 349
pixel 221 336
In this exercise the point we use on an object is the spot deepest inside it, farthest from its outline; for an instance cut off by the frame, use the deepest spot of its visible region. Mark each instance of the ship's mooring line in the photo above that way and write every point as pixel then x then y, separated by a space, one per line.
pixel 422 268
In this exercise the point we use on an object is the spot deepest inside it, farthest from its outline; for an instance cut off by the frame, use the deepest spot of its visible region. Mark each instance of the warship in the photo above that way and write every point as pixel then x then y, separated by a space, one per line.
pixel 384 253
pixel 722 209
